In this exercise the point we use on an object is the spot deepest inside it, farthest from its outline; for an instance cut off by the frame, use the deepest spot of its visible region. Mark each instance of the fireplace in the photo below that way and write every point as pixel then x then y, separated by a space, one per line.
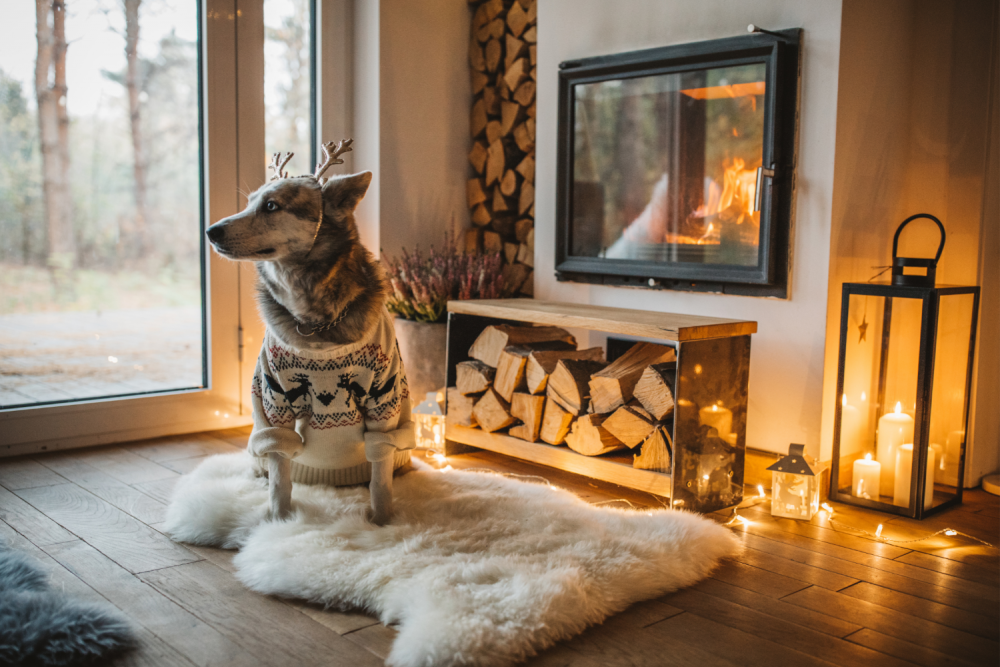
pixel 676 166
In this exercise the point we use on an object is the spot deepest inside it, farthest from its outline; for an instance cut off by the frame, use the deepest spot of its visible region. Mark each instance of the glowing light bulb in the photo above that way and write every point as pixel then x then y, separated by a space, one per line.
pixel 950 532
pixel 878 531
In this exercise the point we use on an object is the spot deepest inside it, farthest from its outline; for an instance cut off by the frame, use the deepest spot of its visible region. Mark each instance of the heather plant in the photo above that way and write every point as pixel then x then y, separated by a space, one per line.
pixel 422 285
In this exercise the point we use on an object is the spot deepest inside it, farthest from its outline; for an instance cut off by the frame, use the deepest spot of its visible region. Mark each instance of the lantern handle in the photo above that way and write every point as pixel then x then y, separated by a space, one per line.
pixel 899 230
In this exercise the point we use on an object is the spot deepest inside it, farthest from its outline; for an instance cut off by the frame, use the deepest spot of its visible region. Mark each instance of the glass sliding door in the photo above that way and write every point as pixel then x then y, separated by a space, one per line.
pixel 102 271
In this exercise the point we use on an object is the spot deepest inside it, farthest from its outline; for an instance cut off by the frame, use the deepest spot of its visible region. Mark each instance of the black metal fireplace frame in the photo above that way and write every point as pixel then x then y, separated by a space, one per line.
pixel 779 52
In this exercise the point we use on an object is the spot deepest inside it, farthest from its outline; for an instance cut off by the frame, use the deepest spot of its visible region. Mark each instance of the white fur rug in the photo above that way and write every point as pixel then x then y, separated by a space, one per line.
pixel 476 569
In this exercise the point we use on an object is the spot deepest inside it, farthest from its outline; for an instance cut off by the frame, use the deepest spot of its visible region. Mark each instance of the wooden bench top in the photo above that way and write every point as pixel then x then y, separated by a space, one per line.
pixel 665 326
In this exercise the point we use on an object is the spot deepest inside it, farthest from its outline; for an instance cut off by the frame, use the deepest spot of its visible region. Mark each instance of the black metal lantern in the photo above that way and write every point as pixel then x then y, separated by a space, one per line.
pixel 903 382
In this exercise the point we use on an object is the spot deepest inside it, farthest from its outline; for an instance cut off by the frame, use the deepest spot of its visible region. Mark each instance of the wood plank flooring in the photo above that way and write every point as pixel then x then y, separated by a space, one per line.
pixel 813 593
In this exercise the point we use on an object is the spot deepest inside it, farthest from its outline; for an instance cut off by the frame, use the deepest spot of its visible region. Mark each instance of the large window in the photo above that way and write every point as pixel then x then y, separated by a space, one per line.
pixel 101 266
pixel 289 103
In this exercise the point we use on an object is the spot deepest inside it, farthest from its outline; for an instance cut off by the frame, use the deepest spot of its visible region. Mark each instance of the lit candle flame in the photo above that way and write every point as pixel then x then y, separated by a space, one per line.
pixel 899 407
pixel 864 397
pixel 868 456
pixel 843 399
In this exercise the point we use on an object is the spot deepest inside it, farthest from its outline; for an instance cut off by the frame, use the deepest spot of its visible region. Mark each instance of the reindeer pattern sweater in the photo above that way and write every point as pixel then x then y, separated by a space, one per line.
pixel 334 410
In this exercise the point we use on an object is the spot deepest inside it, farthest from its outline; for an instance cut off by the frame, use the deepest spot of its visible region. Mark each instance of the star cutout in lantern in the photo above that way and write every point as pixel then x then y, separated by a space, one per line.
pixel 863 328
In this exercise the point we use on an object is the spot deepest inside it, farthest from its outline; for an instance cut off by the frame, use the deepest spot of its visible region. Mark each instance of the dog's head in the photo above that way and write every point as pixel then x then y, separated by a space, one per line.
pixel 282 220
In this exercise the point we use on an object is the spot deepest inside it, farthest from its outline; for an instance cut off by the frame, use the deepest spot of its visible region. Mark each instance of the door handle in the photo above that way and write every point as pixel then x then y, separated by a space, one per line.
pixel 761 173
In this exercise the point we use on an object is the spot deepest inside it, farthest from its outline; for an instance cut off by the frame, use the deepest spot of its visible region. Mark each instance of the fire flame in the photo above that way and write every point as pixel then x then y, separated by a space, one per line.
pixel 739 188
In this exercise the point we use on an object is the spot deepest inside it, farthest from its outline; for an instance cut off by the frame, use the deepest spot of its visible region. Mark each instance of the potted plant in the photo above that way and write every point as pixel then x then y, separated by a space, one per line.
pixel 422 285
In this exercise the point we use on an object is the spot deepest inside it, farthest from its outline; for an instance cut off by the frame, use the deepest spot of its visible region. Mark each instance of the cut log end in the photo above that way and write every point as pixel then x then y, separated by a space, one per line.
pixel 589 437
pixel 492 412
pixel 655 452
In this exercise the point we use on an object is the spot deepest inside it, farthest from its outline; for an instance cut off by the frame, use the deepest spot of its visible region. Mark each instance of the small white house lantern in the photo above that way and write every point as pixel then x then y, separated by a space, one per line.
pixel 794 486
pixel 429 421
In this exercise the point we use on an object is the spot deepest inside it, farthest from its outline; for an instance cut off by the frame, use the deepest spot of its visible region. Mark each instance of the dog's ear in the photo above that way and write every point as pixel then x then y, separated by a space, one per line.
pixel 346 191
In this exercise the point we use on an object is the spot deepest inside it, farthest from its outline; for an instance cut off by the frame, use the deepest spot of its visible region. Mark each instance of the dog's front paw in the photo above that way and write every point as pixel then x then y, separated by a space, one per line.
pixel 378 517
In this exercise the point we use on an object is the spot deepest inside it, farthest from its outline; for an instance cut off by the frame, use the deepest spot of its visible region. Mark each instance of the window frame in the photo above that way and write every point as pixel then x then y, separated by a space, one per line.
pixel 231 68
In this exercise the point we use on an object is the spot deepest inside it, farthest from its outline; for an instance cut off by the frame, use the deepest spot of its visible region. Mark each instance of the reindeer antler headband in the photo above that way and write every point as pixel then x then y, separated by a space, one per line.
pixel 332 150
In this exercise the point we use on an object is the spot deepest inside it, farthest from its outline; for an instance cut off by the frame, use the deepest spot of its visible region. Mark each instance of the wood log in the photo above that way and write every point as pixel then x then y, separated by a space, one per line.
pixel 502 86
pixel 528 286
pixel 481 216
pixel 503 225
pixel 511 113
pixel 522 227
pixel 473 377
pixel 478 80
pixel 491 54
pixel 526 255
pixel 655 389
pixel 477 156
pixel 493 8
pixel 527 198
pixel 555 423
pixel 568 384
pixel 531 35
pixel 517 19
pixel 514 277
pixel 473 241
pixel 479 19
pixel 526 169
pixel 530 126
pixel 492 341
pixel 529 410
pixel 494 29
pixel 474 192
pixel 477 60
pixel 630 424
pixel 460 408
pixel 589 437
pixel 531 9
pixel 478 119
pixel 521 137
pixel 655 452
pixel 499 203
pixel 508 184
pixel 515 74
pixel 515 49
pixel 525 93
pixel 491 97
pixel 533 54
pixel 493 133
pixel 510 371
pixel 491 412
pixel 492 242
pixel 541 364
pixel 530 240
pixel 612 387
pixel 510 252
pixel 534 74
pixel 495 162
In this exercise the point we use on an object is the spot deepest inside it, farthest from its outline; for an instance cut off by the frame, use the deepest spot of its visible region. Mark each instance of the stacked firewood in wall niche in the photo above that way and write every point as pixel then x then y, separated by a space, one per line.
pixel 534 382
pixel 501 191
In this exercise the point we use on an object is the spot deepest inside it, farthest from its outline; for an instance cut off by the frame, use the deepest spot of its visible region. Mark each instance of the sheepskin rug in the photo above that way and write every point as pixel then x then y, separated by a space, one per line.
pixel 475 568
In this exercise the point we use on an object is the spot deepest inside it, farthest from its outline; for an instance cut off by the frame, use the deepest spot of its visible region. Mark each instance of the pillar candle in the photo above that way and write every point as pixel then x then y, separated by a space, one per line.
pixel 939 466
pixel 850 427
pixel 719 418
pixel 904 471
pixel 866 480
pixel 894 429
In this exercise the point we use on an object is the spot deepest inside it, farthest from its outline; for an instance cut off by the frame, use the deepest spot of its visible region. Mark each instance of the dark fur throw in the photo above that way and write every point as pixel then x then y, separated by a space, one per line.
pixel 39 626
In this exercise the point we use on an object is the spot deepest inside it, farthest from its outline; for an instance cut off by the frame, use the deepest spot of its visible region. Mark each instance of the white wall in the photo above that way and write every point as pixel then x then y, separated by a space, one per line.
pixel 411 119
pixel 786 371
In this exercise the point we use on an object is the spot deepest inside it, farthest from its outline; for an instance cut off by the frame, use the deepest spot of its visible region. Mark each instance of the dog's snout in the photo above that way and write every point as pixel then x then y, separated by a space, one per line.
pixel 215 233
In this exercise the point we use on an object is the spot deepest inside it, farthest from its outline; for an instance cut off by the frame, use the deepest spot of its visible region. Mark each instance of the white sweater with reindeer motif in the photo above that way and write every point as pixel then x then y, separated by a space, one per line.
pixel 333 410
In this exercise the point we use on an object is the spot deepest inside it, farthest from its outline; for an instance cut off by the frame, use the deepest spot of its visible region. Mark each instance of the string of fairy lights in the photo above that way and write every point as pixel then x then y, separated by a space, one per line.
pixel 736 517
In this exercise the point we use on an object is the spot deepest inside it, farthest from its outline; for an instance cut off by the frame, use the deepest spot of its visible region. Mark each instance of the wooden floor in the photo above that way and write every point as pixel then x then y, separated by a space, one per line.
pixel 801 594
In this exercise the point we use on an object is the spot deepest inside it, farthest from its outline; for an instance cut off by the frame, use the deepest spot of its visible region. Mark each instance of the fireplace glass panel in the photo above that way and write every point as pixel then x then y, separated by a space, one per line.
pixel 665 167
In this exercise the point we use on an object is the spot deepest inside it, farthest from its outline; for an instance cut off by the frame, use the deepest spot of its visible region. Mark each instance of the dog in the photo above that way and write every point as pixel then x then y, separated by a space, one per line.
pixel 329 378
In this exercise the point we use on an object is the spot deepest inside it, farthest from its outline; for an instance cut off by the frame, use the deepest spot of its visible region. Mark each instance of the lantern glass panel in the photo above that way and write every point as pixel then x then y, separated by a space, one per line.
pixel 794 496
pixel 951 364
pixel 879 397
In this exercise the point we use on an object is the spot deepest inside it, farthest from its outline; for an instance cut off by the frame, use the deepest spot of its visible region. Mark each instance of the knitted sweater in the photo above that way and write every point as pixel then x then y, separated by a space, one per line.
pixel 334 410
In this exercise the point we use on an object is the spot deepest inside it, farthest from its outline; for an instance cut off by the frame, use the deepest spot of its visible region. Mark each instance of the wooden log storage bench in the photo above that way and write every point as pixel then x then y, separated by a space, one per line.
pixel 666 416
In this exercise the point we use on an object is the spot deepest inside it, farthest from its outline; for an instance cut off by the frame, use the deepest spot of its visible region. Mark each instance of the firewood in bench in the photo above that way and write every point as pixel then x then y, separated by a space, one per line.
pixel 612 387
pixel 655 452
pixel 510 371
pixel 630 423
pixel 492 412
pixel 568 384
pixel 655 389
pixel 488 346
pixel 589 437
pixel 460 407
pixel 529 410
pixel 555 423
pixel 541 364
pixel 473 377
